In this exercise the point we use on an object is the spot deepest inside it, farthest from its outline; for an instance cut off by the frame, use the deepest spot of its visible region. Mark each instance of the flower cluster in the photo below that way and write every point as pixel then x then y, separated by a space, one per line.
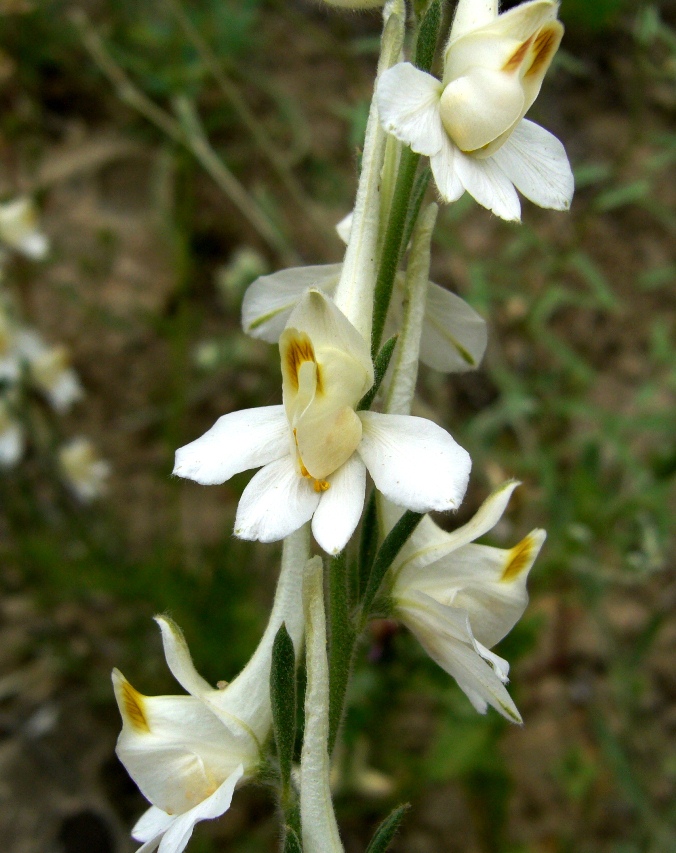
pixel 344 426
pixel 29 365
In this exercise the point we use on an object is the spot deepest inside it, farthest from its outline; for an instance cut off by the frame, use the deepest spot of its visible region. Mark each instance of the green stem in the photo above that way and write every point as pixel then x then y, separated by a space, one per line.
pixel 393 244
pixel 341 644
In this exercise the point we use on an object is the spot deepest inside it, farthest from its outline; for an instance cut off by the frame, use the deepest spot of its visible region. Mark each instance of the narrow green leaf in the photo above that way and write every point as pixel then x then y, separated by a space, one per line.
pixel 380 365
pixel 394 542
pixel 387 830
pixel 291 841
pixel 426 45
pixel 283 699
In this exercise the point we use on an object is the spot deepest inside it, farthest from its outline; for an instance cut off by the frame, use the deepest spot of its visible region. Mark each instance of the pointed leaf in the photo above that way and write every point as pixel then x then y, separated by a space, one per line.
pixel 387 830
pixel 283 698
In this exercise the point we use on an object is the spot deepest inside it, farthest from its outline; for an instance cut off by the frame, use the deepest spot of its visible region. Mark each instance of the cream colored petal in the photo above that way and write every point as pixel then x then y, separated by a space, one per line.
pixel 327 438
pixel 472 14
pixel 328 328
pixel 479 106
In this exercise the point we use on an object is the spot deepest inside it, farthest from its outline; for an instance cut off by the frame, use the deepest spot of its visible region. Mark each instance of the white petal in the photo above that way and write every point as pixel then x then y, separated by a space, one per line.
pixel 178 834
pixel 429 543
pixel 488 184
pixel 151 824
pixel 443 168
pixel 11 445
pixel 34 246
pixel 340 507
pixel 270 299
pixel 536 163
pixel 179 660
pixel 492 584
pixel 276 502
pixel 240 440
pixel 408 106
pixel 175 748
pixel 440 631
pixel 414 462
pixel 65 391
pixel 454 336
pixel 344 227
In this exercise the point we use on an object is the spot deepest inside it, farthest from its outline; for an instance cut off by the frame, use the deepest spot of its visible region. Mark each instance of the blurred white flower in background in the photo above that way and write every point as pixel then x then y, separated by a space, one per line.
pixel 19 229
pixel 83 471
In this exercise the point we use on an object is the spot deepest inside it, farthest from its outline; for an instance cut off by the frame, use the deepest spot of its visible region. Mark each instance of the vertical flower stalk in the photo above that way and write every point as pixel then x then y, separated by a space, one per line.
pixel 400 393
pixel 320 830
pixel 354 294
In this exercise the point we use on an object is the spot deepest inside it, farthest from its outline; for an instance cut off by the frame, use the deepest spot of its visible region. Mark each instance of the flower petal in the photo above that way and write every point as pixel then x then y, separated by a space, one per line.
pixel 237 441
pixel 414 462
pixel 454 336
pixel 276 502
pixel 408 106
pixel 480 105
pixel 151 824
pixel 340 507
pixel 178 834
pixel 488 184
pixel 443 168
pixel 179 659
pixel 445 635
pixel 429 543
pixel 269 301
pixel 536 163
pixel 317 316
pixel 174 747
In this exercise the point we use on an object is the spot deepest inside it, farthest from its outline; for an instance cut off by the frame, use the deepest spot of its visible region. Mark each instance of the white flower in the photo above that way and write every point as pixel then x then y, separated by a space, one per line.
pixel 471 124
pixel 460 599
pixel 11 434
pixel 188 753
pixel 49 369
pixel 454 336
pixel 315 449
pixel 84 473
pixel 19 228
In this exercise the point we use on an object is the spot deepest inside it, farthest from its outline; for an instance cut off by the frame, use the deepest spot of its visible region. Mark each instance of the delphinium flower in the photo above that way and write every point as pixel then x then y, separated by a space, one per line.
pixel 315 448
pixel 83 472
pixel 471 123
pixel 454 337
pixel 460 598
pixel 11 431
pixel 188 753
pixel 49 370
pixel 19 229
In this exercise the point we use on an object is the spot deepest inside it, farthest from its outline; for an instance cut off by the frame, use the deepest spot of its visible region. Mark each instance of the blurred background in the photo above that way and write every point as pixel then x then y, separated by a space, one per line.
pixel 176 149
